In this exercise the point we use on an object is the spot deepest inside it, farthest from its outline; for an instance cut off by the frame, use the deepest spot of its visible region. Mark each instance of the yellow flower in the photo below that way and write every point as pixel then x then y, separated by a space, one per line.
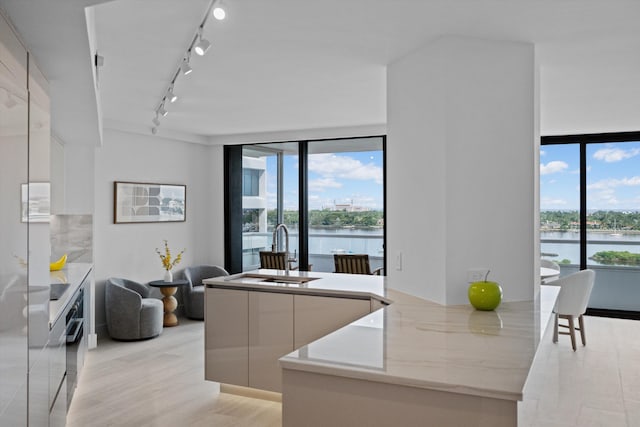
pixel 166 257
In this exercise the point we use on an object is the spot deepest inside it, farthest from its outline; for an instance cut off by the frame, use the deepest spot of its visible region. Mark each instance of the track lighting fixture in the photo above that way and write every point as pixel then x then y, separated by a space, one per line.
pixel 185 67
pixel 219 12
pixel 202 46
pixel 172 97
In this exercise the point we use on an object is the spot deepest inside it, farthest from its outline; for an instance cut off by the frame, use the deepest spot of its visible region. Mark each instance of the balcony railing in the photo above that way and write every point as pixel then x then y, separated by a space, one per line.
pixel 616 287
pixel 322 246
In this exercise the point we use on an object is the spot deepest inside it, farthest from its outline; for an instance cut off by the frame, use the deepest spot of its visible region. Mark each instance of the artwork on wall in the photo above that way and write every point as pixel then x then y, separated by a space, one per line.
pixel 36 202
pixel 142 202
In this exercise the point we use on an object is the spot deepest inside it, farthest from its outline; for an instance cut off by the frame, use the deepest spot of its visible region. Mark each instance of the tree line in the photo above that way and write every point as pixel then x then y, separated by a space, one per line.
pixel 597 220
pixel 331 219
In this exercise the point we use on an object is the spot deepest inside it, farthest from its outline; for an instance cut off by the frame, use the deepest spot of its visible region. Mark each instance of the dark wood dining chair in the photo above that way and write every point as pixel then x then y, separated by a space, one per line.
pixel 354 264
pixel 274 260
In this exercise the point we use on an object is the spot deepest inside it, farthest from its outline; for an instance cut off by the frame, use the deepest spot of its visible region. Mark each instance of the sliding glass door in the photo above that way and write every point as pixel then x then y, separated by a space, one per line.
pixel 346 200
pixel 269 198
pixel 328 193
pixel 590 214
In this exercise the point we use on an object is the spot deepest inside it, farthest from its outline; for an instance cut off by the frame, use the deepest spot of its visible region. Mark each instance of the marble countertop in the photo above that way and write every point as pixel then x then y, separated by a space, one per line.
pixel 323 284
pixel 415 342
pixel 73 274
pixel 418 343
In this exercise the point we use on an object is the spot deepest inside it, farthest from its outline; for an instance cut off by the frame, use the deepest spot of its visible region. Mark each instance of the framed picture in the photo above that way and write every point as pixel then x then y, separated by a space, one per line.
pixel 142 202
pixel 35 202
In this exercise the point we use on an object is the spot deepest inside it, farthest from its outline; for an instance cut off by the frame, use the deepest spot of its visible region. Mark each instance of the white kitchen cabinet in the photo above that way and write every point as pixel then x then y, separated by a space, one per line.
pixel 316 316
pixel 227 336
pixel 15 361
pixel 270 337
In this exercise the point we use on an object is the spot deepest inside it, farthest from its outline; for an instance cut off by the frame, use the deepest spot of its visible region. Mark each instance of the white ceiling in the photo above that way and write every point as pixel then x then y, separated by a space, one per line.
pixel 279 65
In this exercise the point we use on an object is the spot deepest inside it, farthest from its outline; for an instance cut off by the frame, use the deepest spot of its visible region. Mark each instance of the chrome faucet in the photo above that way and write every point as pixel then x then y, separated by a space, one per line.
pixel 274 246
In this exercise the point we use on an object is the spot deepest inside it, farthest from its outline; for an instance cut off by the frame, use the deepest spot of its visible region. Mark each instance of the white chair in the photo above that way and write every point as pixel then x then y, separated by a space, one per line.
pixel 547 263
pixel 573 298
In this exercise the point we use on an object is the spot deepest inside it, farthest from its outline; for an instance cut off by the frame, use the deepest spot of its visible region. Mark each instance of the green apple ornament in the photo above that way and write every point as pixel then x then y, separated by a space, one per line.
pixel 485 295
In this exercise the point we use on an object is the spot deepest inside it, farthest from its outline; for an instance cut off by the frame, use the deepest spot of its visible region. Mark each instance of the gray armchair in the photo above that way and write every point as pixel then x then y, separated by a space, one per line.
pixel 193 292
pixel 131 314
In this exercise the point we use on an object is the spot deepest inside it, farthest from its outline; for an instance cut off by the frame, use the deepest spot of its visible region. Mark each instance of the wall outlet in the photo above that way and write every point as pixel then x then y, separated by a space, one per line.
pixel 476 274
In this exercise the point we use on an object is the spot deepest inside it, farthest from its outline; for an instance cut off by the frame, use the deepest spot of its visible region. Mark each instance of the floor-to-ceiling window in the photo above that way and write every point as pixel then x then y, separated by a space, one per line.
pixel 346 200
pixel 590 213
pixel 269 197
pixel 329 194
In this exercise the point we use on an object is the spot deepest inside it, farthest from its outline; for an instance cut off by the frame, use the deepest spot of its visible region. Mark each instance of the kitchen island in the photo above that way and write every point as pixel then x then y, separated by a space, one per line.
pixel 412 362
pixel 252 319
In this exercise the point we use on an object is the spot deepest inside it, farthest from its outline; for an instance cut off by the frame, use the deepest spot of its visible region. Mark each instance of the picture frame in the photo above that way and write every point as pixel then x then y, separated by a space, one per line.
pixel 139 202
pixel 35 202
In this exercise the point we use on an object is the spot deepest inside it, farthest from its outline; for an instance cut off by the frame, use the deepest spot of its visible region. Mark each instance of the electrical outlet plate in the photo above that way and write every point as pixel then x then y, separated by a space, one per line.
pixel 476 274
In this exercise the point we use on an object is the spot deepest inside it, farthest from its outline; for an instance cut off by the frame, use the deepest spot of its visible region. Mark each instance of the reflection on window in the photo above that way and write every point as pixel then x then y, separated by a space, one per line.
pixel 250 220
pixel 250 182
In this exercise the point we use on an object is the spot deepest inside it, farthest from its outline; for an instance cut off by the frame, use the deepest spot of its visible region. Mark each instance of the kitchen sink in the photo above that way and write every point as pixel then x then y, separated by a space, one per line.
pixel 271 278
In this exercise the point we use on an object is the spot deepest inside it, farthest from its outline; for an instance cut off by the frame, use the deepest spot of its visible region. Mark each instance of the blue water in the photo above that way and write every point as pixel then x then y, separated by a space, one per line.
pixel 596 242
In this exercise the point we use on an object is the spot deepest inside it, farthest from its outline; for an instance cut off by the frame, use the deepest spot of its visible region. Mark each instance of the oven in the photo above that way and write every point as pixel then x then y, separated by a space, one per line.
pixel 75 341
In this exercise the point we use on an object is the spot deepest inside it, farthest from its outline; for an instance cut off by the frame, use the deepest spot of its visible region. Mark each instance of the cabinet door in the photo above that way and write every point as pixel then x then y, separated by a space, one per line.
pixel 315 316
pixel 14 151
pixel 39 402
pixel 58 414
pixel 270 337
pixel 57 350
pixel 227 336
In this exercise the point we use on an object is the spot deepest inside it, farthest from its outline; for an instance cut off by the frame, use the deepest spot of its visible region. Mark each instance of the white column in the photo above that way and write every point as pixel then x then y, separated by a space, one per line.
pixel 461 168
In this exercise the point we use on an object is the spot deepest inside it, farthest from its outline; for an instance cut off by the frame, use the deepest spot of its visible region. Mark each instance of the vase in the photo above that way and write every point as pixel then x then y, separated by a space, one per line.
pixel 168 276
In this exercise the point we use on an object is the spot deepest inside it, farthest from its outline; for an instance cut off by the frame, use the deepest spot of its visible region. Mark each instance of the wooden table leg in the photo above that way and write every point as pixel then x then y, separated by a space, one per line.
pixel 170 304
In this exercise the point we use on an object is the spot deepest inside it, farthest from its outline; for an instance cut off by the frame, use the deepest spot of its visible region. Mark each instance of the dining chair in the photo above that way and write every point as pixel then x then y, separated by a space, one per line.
pixel 274 260
pixel 354 264
pixel 572 301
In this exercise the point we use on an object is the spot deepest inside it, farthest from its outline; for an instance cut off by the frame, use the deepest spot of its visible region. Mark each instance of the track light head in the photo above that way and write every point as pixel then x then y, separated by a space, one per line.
pixel 202 46
pixel 156 121
pixel 219 13
pixel 185 67
pixel 154 130
pixel 162 111
pixel 172 97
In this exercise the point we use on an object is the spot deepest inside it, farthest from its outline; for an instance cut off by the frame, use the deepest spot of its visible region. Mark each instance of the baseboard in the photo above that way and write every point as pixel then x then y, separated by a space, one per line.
pixel 618 314
pixel 93 341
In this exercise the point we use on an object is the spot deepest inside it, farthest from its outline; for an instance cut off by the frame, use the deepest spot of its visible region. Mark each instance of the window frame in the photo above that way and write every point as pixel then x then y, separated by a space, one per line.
pixel 234 188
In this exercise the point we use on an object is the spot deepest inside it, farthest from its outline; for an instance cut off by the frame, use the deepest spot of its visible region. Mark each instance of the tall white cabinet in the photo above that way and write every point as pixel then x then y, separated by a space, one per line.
pixel 24 253
pixel 14 153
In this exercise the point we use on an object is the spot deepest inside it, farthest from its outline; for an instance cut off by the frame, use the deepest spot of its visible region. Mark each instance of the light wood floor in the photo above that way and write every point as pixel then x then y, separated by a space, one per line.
pixel 160 382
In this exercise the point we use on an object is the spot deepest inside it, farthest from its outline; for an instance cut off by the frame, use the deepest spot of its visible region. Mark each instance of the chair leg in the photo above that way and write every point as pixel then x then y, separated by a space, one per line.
pixel 555 328
pixel 582 335
pixel 572 331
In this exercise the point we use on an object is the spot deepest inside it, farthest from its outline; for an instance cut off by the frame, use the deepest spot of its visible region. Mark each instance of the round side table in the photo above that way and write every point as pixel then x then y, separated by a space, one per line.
pixel 168 289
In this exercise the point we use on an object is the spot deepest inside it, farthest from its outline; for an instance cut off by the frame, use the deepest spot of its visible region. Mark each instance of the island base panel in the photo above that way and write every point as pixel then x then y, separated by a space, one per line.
pixel 312 399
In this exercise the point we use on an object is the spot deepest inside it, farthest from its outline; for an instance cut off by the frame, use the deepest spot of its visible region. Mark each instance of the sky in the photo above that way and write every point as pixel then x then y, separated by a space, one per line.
pixel 354 177
pixel 613 176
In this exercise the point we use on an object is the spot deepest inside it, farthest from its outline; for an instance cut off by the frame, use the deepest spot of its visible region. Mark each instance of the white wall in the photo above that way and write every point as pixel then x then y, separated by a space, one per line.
pixel 461 168
pixel 128 250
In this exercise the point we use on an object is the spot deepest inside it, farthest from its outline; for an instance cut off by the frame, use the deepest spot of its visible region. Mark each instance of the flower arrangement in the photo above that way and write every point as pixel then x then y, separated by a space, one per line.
pixel 167 263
